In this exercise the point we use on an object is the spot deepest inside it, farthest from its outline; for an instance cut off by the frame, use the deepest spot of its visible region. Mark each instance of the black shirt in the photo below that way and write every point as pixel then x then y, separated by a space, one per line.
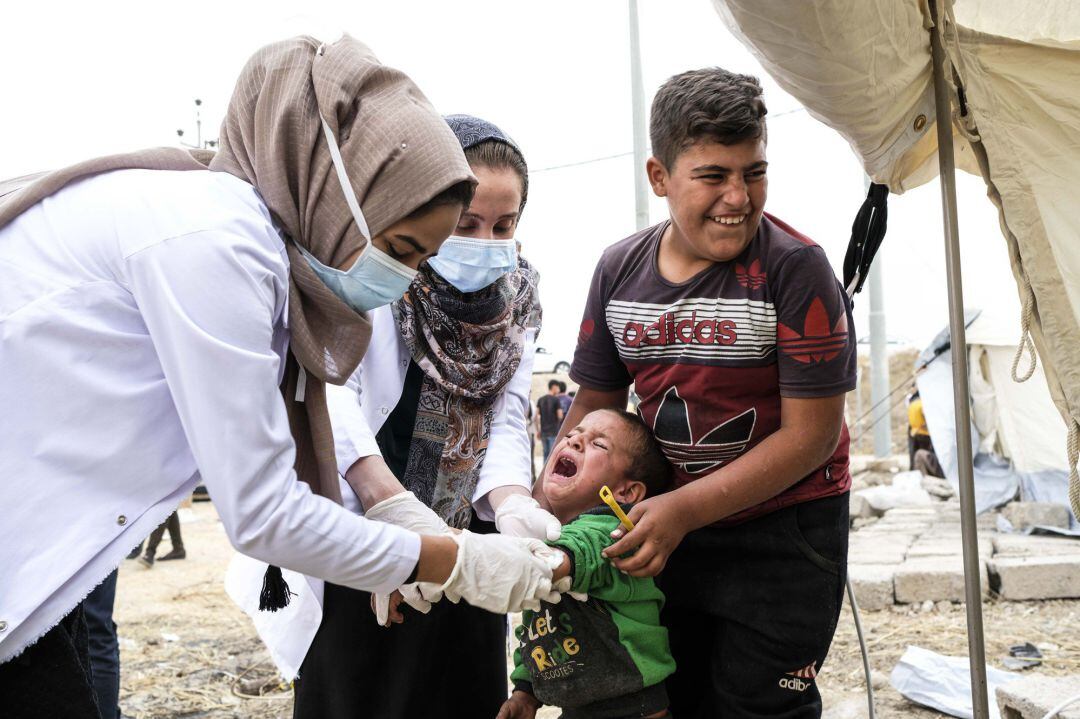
pixel 548 406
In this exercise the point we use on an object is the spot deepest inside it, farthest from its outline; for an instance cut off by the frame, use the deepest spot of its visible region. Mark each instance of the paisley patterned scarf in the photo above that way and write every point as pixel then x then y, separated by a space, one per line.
pixel 468 345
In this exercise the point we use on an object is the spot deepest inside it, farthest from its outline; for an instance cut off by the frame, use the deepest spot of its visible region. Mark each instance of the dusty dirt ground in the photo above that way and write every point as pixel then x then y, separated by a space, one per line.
pixel 187 651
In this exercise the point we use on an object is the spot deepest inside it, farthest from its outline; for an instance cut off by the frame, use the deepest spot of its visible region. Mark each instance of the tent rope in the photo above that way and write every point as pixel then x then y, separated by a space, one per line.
pixel 1026 342
pixel 951 45
pixel 1074 476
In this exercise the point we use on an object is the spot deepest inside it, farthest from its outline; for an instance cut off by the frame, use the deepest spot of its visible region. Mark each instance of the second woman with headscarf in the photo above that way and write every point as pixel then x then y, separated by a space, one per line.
pixel 440 403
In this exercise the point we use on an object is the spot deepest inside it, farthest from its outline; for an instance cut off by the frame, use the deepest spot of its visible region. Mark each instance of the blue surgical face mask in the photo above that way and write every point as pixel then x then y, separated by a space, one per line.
pixel 376 278
pixel 470 264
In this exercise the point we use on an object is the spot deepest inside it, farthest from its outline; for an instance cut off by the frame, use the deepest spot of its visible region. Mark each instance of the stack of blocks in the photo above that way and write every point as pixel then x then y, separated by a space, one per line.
pixel 912 555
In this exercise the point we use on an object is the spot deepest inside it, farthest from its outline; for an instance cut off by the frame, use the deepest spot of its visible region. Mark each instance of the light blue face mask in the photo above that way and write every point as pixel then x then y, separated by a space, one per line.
pixel 470 264
pixel 376 278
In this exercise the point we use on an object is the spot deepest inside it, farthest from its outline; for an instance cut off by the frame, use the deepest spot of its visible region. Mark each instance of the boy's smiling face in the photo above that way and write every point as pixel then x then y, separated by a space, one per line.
pixel 716 194
pixel 593 454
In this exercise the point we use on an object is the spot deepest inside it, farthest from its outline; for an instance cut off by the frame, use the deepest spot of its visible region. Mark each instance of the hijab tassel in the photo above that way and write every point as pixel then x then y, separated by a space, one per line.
pixel 275 591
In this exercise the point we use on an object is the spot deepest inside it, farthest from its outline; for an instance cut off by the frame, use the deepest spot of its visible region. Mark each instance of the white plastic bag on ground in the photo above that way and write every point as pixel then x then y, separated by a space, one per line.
pixel 943 683
pixel 905 491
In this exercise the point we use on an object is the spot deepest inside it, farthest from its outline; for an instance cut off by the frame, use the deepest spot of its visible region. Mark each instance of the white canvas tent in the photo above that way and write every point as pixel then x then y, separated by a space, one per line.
pixel 863 67
pixel 1016 429
pixel 1002 77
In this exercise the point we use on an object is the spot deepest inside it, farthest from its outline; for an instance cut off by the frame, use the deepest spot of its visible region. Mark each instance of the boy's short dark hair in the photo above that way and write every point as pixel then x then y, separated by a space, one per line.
pixel 648 464
pixel 553 383
pixel 460 193
pixel 708 104
pixel 562 386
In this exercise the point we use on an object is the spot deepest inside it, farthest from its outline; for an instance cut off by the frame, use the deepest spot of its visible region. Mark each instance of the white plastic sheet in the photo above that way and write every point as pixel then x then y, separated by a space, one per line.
pixel 905 491
pixel 943 683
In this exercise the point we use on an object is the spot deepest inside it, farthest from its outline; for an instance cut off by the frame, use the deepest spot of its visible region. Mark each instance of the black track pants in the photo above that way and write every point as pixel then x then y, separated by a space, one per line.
pixel 751 611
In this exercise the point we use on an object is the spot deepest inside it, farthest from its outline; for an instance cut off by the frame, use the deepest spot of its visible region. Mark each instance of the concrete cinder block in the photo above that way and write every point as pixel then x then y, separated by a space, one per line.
pixel 928 512
pixel 1029 514
pixel 899 527
pixel 876 555
pixel 935 578
pixel 873 548
pixel 1046 577
pixel 947 546
pixel 1019 545
pixel 873 585
pixel 1033 696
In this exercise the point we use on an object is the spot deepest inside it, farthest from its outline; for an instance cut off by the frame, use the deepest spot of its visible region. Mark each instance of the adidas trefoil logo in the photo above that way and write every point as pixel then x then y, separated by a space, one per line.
pixel 721 444
pixel 750 277
pixel 820 340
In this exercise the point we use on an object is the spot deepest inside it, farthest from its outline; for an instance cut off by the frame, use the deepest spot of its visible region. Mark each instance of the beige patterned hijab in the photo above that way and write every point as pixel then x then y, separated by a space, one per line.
pixel 398 151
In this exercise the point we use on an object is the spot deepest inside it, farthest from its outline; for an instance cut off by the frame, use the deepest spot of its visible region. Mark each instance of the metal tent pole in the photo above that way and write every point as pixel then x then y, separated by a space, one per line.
pixel 969 530
pixel 641 188
pixel 879 363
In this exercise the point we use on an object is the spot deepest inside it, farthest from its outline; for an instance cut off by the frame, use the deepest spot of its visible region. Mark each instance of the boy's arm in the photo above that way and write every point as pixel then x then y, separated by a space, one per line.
pixel 583 542
pixel 520 703
pixel 809 432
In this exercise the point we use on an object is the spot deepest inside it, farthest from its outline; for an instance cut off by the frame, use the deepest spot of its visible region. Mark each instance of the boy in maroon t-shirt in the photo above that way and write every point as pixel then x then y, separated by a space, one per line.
pixel 739 341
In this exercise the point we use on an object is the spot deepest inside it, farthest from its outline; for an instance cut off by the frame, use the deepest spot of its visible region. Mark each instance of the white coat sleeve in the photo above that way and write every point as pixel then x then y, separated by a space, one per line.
pixel 508 460
pixel 353 437
pixel 209 300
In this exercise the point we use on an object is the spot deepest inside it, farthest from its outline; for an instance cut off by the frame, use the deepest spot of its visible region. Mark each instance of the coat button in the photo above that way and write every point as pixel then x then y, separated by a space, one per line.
pixel 384 410
pixel 121 520
pixel 3 626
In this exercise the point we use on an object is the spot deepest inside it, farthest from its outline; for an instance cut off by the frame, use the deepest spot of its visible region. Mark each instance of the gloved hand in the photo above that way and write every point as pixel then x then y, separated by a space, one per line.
pixel 418 595
pixel 521 516
pixel 405 510
pixel 502 574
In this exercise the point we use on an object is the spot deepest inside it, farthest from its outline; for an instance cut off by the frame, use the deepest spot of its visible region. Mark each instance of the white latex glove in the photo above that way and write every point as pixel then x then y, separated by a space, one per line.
pixel 502 574
pixel 521 516
pixel 405 510
pixel 411 595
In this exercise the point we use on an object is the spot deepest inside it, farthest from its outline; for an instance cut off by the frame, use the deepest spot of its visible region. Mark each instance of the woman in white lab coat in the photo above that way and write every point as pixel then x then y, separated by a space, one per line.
pixel 151 310
pixel 440 401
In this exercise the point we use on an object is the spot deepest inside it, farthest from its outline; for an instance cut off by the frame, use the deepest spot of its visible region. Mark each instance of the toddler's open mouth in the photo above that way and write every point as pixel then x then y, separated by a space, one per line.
pixel 564 468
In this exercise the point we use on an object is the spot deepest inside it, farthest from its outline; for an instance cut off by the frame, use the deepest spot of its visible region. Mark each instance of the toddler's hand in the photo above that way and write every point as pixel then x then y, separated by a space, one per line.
pixel 520 705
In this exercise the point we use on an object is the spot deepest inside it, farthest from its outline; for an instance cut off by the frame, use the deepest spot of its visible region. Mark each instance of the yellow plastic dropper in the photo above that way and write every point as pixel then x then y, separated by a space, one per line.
pixel 609 500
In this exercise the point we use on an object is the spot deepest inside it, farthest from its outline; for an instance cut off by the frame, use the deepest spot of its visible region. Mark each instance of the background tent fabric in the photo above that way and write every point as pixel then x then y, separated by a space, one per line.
pixel 1016 430
pixel 863 68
